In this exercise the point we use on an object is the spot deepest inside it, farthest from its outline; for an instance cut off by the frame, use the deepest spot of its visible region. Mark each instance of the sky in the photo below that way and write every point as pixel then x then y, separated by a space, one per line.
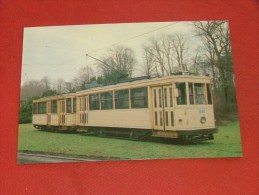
pixel 60 51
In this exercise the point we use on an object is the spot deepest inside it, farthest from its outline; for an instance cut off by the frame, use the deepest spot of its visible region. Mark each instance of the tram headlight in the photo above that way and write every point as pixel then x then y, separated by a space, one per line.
pixel 203 120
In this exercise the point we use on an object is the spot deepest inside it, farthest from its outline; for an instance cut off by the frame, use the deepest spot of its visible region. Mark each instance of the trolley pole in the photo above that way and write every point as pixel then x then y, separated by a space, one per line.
pixel 87 55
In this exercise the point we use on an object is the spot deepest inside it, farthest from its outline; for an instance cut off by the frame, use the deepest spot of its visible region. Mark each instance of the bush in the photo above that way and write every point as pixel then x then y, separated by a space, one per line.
pixel 26 111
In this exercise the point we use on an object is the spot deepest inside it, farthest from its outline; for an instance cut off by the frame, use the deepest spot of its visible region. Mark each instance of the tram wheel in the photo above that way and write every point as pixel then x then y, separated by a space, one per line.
pixel 133 135
pixel 186 140
pixel 101 132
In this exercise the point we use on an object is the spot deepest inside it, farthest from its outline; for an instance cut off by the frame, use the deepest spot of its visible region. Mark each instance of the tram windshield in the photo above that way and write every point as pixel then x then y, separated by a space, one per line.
pixel 199 93
pixel 181 99
pixel 199 90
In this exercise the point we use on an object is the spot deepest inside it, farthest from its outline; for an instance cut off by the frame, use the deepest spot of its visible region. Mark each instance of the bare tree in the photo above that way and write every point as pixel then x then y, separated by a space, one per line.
pixel 167 50
pixel 166 54
pixel 82 77
pixel 119 63
pixel 31 88
pixel 60 86
pixel 180 50
pixel 46 82
pixel 149 63
pixel 216 43
pixel 154 52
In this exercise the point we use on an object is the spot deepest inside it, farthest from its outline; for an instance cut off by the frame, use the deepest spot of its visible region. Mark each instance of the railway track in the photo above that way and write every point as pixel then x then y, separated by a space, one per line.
pixel 26 158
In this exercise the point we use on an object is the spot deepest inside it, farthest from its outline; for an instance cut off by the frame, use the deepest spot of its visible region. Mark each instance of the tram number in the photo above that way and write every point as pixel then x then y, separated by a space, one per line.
pixel 202 111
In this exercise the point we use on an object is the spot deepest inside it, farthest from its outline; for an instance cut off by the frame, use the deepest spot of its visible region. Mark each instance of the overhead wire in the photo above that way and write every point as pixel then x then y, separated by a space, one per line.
pixel 116 43
pixel 128 39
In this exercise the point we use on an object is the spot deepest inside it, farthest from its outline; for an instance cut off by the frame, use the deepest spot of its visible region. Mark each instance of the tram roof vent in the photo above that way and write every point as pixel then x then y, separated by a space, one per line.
pixel 126 80
pixel 192 70
pixel 185 73
pixel 134 79
pixel 93 84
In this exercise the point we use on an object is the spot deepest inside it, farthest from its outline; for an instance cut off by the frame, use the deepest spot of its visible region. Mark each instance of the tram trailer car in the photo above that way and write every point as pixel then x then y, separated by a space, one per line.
pixel 55 112
pixel 178 106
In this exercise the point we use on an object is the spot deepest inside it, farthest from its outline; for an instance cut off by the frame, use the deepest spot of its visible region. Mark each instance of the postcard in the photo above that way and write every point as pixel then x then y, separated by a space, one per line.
pixel 128 91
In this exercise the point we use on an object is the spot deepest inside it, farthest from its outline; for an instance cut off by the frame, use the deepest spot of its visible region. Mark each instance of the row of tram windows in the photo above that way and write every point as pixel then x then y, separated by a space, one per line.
pixel 120 99
pixel 41 107
pixel 199 93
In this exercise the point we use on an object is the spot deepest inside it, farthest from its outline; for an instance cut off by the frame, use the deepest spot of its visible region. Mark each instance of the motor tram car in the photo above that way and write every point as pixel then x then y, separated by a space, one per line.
pixel 177 106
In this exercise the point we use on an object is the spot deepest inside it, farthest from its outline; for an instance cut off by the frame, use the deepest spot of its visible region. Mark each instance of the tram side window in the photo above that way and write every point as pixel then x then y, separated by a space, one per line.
pixel 69 105
pixel 54 106
pixel 122 99
pixel 42 108
pixel 94 102
pixel 107 101
pixel 181 99
pixel 199 89
pixel 139 98
pixel 74 105
pixel 209 93
pixel 191 95
pixel 35 108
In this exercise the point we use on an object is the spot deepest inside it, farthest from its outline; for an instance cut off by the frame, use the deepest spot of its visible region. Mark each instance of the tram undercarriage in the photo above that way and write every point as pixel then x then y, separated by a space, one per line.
pixel 187 136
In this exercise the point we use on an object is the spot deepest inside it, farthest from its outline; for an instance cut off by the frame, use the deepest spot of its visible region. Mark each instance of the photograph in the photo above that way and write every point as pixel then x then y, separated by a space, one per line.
pixel 128 91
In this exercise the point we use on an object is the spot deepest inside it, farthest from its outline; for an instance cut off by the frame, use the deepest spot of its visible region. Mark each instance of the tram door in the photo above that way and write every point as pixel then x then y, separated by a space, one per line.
pixel 62 112
pixel 84 107
pixel 163 112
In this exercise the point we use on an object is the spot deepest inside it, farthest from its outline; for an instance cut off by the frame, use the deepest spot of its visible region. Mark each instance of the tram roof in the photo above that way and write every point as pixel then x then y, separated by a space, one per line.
pixel 129 82
pixel 144 81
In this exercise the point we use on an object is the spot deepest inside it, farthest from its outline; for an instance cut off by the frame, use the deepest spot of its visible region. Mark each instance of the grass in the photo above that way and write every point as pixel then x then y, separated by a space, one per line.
pixel 227 143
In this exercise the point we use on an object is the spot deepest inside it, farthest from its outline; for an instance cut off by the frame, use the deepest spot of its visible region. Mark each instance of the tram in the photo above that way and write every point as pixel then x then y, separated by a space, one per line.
pixel 176 106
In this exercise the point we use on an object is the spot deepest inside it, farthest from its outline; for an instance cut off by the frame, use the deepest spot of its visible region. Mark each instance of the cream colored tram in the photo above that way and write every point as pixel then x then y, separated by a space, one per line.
pixel 56 112
pixel 174 106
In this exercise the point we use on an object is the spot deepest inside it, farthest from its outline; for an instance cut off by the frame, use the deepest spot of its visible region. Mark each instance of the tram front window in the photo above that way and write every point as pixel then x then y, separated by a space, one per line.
pixel 181 99
pixel 35 108
pixel 191 95
pixel 209 94
pixel 199 89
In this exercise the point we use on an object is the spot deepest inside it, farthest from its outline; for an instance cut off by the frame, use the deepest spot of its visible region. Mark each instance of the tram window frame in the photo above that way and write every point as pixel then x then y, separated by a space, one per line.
pixel 182 93
pixel 107 100
pixel 191 93
pixel 94 101
pixel 121 98
pixel 160 91
pixel 171 96
pixel 200 98
pixel 68 105
pixel 155 98
pixel 54 106
pixel 83 104
pixel 139 100
pixel 165 97
pixel 35 108
pixel 209 95
pixel 42 108
pixel 74 105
